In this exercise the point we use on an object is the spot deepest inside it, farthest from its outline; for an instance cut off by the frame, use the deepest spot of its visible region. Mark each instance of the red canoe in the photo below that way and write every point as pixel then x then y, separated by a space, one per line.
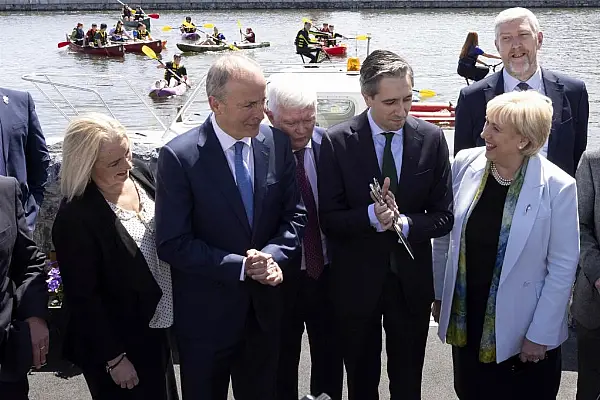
pixel 136 47
pixel 114 50
pixel 339 51
pixel 432 107
pixel 441 114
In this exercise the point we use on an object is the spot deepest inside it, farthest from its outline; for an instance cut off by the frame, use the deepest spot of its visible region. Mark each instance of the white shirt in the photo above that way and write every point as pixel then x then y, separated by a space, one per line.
pixel 310 166
pixel 535 83
pixel 398 152
pixel 228 145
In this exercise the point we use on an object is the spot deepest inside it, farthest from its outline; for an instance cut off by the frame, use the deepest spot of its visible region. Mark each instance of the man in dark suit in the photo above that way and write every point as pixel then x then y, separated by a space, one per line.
pixel 228 220
pixel 23 154
pixel 292 107
pixel 371 274
pixel 23 297
pixel 518 39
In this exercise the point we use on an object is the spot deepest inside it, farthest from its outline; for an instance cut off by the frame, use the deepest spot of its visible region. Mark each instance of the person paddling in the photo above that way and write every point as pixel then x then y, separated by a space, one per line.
pixel 468 60
pixel 78 34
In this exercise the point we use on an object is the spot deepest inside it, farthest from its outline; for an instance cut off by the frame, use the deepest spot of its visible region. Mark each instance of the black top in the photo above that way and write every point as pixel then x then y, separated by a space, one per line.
pixel 482 233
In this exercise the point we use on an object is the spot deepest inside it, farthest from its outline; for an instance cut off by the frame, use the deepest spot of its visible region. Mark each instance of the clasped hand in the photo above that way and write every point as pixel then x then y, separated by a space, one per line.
pixel 532 352
pixel 262 268
pixel 386 213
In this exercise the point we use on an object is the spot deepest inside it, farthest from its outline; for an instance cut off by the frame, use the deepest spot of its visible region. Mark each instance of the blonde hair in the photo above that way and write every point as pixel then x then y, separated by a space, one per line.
pixel 81 146
pixel 528 112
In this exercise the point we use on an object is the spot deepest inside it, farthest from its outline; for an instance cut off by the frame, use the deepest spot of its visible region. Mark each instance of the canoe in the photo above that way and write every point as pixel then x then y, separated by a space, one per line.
pixel 114 50
pixel 159 89
pixel 432 107
pixel 338 51
pixel 134 24
pixel 190 36
pixel 201 48
pixel 136 46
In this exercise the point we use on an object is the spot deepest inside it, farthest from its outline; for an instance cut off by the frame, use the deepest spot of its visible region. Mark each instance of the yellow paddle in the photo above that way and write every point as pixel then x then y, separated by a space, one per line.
pixel 167 28
pixel 210 26
pixel 239 24
pixel 425 93
pixel 150 53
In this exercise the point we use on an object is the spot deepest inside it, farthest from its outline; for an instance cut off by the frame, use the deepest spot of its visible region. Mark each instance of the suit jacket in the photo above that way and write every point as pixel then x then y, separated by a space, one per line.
pixel 202 230
pixel 568 136
pixel 24 148
pixel 110 292
pixel 23 291
pixel 347 165
pixel 586 299
pixel 540 260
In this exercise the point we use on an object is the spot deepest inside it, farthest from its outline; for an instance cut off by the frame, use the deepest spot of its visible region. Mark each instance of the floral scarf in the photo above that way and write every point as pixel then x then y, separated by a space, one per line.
pixel 457 328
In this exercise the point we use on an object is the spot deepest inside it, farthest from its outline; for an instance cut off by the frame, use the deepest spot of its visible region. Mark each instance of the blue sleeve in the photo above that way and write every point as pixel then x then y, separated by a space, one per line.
pixel 478 51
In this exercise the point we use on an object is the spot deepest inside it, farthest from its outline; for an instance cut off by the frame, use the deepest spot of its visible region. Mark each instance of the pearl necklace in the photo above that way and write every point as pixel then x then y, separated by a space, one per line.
pixel 498 178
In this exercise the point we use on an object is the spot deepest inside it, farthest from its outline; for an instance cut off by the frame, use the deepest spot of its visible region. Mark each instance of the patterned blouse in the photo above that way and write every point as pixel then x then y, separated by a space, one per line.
pixel 141 228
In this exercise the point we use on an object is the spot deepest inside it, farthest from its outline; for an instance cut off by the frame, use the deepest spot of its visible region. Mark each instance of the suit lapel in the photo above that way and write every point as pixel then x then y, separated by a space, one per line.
pixel 217 168
pixel 363 148
pixel 4 131
pixel 468 187
pixel 555 91
pixel 524 216
pixel 495 86
pixel 316 148
pixel 261 168
pixel 412 142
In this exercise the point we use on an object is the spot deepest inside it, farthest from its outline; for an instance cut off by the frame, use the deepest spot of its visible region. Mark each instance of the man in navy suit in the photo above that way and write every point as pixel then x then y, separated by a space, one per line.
pixel 23 154
pixel 228 220
pixel 292 107
pixel 518 39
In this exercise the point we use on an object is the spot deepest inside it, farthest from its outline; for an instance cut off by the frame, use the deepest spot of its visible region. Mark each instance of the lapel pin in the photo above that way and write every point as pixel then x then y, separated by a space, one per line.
pixel 527 208
pixel 5 99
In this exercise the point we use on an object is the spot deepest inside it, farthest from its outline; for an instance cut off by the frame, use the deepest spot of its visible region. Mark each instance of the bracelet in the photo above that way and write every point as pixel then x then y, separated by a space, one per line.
pixel 109 368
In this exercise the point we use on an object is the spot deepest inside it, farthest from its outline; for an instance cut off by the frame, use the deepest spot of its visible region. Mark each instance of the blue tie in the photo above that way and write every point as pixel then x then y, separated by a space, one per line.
pixel 244 183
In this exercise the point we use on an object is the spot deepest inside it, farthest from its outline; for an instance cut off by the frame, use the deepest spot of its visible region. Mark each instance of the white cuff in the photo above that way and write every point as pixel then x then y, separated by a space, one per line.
pixel 243 272
pixel 373 218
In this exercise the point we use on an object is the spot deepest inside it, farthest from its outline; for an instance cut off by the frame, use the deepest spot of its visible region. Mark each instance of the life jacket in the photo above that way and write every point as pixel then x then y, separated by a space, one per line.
pixel 189 29
pixel 77 34
pixel 142 35
pixel 302 39
pixel 118 30
pixel 103 37
pixel 173 67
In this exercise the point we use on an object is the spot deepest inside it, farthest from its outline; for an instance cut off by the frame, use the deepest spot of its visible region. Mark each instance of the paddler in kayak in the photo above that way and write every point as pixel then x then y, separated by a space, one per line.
pixel 142 33
pixel 101 37
pixel 188 26
pixel 249 36
pixel 305 45
pixel 215 39
pixel 174 66
pixel 78 34
pixel 117 33
pixel 127 13
pixel 332 40
pixel 468 59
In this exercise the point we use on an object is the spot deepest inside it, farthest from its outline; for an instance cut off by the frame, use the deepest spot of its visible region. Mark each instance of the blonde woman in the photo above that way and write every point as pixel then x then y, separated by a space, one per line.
pixel 117 291
pixel 503 275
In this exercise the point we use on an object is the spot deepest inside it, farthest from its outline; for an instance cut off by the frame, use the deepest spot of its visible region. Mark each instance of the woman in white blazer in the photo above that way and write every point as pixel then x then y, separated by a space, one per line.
pixel 503 275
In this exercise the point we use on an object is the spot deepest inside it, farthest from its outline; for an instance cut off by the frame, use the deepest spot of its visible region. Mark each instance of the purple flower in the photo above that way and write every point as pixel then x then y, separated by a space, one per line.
pixel 54 280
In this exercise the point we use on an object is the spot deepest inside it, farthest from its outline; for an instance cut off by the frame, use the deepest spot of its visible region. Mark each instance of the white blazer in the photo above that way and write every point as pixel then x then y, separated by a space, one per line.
pixel 540 260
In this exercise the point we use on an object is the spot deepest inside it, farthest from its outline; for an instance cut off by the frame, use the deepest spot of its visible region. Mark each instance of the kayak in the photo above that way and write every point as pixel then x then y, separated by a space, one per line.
pixel 440 114
pixel 160 89
pixel 432 107
pixel 190 36
pixel 136 46
pixel 339 51
pixel 202 48
pixel 113 50
pixel 134 24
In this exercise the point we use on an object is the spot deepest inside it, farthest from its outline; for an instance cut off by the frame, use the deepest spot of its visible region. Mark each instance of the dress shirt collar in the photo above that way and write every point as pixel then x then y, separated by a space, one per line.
pixel 225 139
pixel 510 82
pixel 375 129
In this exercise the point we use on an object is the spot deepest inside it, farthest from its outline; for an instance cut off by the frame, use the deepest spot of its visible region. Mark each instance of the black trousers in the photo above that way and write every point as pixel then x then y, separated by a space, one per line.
pixel 251 364
pixel 473 72
pixel 588 360
pixel 18 390
pixel 312 54
pixel 306 302
pixel 406 336
pixel 511 379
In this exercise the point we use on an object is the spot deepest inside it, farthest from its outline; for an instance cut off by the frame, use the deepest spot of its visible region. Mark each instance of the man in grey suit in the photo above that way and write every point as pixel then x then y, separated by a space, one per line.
pixel 23 297
pixel 586 298
pixel 292 108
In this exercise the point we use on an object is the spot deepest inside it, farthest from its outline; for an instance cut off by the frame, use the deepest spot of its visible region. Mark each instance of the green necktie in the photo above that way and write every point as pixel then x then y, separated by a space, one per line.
pixel 388 167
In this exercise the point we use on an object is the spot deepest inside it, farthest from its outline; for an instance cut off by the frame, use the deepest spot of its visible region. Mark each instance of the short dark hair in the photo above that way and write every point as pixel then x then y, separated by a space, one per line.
pixel 102 26
pixel 379 64
pixel 177 55
pixel 94 25
pixel 141 24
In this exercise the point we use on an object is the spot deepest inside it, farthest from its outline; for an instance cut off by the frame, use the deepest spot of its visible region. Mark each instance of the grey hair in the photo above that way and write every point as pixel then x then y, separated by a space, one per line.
pixel 232 66
pixel 380 64
pixel 284 90
pixel 514 14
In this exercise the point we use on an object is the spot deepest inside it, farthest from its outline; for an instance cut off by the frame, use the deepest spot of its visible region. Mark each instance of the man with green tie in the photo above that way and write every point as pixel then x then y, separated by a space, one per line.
pixel 372 275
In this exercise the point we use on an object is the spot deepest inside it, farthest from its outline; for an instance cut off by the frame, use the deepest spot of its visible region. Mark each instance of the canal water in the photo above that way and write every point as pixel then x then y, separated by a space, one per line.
pixel 429 39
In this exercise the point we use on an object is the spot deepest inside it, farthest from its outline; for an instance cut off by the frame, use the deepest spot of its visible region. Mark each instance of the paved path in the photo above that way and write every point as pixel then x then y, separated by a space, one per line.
pixel 437 376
